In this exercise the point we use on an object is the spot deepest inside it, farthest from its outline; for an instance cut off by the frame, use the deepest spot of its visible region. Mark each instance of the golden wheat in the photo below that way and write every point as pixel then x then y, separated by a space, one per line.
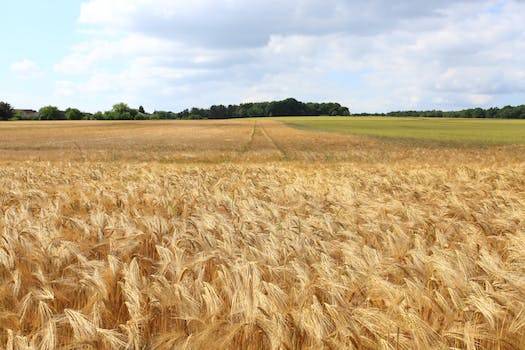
pixel 261 256
pixel 223 141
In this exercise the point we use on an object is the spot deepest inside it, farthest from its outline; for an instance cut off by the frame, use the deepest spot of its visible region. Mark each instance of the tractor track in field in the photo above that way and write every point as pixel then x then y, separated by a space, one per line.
pixel 270 139
pixel 249 145
pixel 260 140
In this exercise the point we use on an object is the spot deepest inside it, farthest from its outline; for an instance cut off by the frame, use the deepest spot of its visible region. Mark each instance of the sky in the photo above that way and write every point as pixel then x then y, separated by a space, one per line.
pixel 372 56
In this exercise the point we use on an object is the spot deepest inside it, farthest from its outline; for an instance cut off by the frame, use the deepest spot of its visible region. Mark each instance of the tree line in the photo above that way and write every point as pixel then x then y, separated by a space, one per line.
pixel 121 111
pixel 507 112
pixel 288 107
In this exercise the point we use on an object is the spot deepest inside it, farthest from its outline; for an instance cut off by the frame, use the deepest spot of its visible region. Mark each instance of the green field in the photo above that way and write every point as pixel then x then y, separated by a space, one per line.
pixel 475 131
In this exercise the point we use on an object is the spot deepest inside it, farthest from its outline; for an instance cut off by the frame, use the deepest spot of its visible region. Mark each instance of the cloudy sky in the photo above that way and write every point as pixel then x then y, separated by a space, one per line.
pixel 374 55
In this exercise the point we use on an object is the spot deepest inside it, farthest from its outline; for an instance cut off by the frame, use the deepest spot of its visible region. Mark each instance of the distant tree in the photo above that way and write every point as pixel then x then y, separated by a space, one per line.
pixel 122 111
pixel 50 113
pixel 99 116
pixel 6 111
pixel 232 111
pixel 478 113
pixel 73 114
pixel 198 113
pixel 185 114
pixel 17 116
pixel 288 107
pixel 343 111
pixel 120 108
pixel 507 112
pixel 151 116
pixel 218 112
pixel 165 115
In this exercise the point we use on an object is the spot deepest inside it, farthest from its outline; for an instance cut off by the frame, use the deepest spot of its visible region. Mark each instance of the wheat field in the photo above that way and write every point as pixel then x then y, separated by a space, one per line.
pixel 283 239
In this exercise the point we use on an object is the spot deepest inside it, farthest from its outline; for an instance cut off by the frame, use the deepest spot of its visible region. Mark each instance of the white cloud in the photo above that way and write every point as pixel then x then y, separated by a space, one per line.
pixel 26 69
pixel 252 23
pixel 375 55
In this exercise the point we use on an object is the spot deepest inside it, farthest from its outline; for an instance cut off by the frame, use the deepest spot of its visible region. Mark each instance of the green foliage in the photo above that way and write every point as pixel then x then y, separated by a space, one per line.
pixel 288 107
pixel 16 116
pixel 218 112
pixel 507 112
pixel 74 114
pixel 164 115
pixel 121 111
pixel 6 111
pixel 51 113
pixel 99 116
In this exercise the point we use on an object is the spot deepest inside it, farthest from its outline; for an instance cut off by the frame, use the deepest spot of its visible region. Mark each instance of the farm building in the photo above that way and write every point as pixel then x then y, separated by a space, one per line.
pixel 27 114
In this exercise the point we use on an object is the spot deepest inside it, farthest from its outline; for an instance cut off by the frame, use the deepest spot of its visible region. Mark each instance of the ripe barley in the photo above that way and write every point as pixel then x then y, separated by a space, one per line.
pixel 271 256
